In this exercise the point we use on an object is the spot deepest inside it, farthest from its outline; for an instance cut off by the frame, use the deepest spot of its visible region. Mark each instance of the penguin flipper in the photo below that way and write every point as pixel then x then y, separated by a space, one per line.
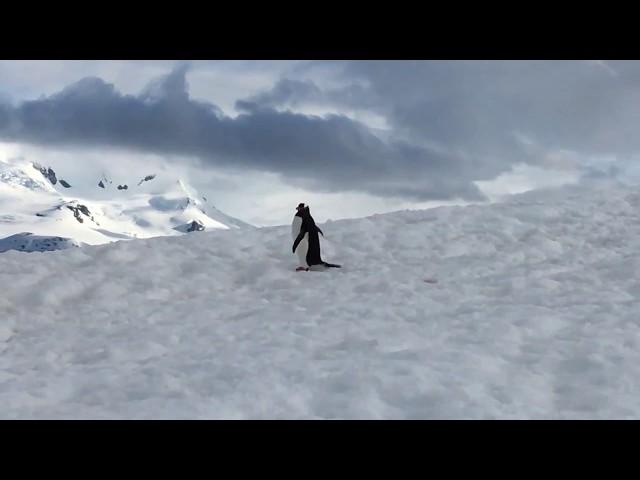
pixel 298 240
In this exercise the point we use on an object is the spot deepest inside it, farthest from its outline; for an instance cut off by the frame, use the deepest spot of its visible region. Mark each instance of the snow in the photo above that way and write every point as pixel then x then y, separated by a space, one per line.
pixel 31 204
pixel 534 315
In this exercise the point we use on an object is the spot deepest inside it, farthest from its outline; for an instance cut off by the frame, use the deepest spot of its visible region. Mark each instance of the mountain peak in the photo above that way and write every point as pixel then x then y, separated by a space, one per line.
pixel 20 175
pixel 48 210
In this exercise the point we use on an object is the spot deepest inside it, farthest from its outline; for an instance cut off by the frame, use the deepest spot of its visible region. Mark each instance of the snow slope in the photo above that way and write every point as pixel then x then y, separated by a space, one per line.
pixel 31 202
pixel 535 314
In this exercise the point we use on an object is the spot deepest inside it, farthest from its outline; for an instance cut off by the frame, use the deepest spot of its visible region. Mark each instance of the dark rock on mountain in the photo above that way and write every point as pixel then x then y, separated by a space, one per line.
pixel 48 173
pixel 146 179
pixel 193 226
pixel 80 209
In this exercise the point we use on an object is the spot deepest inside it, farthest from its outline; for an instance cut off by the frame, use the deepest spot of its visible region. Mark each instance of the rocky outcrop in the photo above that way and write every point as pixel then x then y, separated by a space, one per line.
pixel 193 226
pixel 48 173
pixel 146 179
pixel 78 210
pixel 28 242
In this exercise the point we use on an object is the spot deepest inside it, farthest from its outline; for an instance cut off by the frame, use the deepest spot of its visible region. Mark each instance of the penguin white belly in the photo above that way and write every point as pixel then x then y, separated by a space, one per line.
pixel 303 246
pixel 302 249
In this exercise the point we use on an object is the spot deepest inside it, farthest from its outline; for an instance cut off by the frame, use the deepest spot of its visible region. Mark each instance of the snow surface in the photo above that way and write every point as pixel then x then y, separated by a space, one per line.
pixel 535 314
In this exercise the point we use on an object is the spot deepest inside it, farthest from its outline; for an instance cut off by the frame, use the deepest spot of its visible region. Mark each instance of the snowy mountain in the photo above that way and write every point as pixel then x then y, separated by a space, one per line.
pixel 35 199
pixel 525 309
pixel 28 242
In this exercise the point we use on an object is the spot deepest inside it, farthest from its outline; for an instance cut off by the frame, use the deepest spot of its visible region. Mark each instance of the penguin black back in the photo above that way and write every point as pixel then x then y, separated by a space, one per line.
pixel 309 226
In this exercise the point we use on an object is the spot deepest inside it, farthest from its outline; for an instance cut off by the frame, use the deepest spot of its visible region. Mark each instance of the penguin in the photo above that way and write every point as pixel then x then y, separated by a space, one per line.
pixel 303 245
pixel 309 231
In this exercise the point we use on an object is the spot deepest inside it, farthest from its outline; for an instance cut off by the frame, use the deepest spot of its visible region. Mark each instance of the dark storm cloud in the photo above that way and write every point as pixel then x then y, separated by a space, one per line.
pixel 483 109
pixel 331 153
pixel 294 93
pixel 478 105
pixel 452 122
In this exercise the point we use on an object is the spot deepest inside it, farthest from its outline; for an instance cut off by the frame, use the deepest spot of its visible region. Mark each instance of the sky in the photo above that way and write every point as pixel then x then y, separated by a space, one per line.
pixel 349 138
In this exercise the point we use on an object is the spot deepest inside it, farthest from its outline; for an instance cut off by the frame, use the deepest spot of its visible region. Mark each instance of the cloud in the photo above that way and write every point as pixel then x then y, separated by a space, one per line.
pixel 563 105
pixel 479 111
pixel 447 124
pixel 286 91
pixel 327 154
pixel 604 65
pixel 295 93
